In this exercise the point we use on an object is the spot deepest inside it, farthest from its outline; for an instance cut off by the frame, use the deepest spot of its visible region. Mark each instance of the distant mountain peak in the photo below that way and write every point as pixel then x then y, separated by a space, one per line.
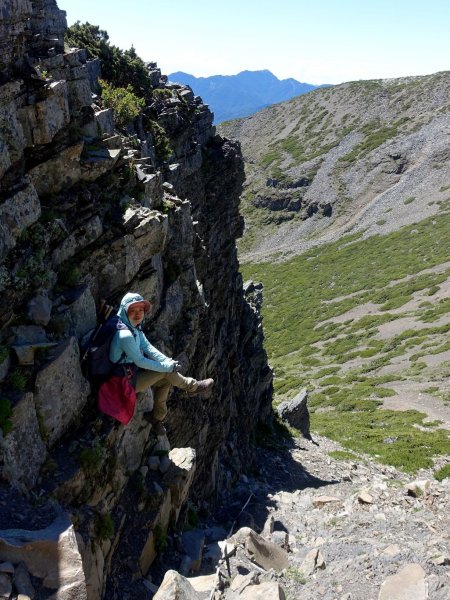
pixel 234 96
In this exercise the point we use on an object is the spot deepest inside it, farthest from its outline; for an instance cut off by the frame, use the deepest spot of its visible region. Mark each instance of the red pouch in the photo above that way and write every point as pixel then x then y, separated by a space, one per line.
pixel 117 398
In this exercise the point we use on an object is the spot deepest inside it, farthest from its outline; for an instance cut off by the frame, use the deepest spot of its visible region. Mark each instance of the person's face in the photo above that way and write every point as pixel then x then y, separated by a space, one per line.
pixel 136 314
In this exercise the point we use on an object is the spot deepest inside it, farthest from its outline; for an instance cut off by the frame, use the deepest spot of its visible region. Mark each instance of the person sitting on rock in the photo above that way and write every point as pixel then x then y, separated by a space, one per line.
pixel 154 368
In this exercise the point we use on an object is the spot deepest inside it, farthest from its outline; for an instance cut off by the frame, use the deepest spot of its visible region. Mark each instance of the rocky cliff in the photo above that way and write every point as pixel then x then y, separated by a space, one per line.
pixel 87 212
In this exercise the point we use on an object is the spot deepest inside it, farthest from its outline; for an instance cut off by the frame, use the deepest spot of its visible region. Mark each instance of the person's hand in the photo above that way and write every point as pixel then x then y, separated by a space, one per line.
pixel 176 367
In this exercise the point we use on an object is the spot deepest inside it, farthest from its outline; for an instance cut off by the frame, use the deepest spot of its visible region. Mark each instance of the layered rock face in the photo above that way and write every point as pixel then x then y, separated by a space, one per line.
pixel 87 213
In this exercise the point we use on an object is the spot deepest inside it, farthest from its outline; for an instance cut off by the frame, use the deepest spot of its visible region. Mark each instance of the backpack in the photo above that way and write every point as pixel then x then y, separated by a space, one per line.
pixel 95 362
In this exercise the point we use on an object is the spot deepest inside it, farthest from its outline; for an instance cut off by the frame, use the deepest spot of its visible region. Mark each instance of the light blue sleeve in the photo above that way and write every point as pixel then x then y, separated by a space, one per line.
pixel 154 353
pixel 126 343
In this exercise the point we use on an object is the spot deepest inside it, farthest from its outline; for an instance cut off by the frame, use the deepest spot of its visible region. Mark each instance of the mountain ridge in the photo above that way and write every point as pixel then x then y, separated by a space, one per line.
pixel 247 92
pixel 349 153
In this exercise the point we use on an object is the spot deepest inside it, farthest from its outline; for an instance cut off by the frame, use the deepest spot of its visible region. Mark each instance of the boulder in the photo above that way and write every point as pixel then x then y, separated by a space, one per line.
pixel 61 390
pixel 418 488
pixel 264 553
pixel 39 310
pixel 50 554
pixel 59 172
pixel 408 583
pixel 203 583
pixel 42 121
pixel 16 214
pixel 312 561
pixel 269 590
pixel 364 497
pixel 22 581
pixel 193 542
pixel 5 585
pixel 295 412
pixel 175 587
pixel 77 240
pixel 179 478
pixel 23 449
pixel 76 313
pixel 321 501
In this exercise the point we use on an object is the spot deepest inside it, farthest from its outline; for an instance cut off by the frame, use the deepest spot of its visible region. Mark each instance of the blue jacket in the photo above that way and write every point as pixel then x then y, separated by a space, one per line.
pixel 131 345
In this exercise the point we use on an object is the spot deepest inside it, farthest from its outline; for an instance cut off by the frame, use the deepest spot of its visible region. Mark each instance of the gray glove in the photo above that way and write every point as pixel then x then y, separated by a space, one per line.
pixel 176 367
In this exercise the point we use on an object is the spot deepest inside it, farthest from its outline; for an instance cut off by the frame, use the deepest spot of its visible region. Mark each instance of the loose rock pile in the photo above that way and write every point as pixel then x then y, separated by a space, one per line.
pixel 332 529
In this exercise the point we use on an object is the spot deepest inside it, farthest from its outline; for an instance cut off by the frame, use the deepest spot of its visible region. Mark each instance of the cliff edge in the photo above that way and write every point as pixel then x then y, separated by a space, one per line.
pixel 90 212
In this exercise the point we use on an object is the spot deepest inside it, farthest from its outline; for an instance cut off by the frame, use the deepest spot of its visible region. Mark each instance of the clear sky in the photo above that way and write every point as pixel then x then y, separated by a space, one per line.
pixel 314 41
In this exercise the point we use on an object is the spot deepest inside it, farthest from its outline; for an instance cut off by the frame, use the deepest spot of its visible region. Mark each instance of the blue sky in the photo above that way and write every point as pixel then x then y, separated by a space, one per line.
pixel 314 41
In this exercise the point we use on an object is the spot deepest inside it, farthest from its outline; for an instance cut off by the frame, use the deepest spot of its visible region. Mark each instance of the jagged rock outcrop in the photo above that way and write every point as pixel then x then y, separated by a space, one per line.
pixel 87 212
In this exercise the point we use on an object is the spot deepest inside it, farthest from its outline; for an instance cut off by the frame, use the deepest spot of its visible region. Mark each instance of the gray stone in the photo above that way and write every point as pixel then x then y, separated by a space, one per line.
pixel 265 554
pixel 296 413
pixel 16 214
pixel 418 488
pixel 268 590
pixel 215 533
pixel 408 583
pixel 312 561
pixel 185 565
pixel 104 121
pixel 42 121
pixel 22 581
pixel 5 585
pixel 80 94
pixel 281 538
pixel 364 497
pixel 212 553
pixel 26 352
pixel 321 501
pixel 23 449
pixel 193 542
pixel 39 310
pixel 80 238
pixel 203 583
pixel 50 554
pixel 175 587
pixel 179 478
pixel 61 390
pixel 29 334
pixel 77 315
pixel 59 172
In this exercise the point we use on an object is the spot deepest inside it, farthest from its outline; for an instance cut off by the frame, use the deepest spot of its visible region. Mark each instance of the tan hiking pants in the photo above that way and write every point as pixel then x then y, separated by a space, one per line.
pixel 161 382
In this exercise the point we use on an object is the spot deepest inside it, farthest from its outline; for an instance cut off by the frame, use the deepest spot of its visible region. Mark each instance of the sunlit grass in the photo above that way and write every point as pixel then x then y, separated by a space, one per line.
pixel 308 348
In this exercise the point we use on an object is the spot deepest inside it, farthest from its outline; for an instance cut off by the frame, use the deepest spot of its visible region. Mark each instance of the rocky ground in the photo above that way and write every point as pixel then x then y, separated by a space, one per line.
pixel 351 530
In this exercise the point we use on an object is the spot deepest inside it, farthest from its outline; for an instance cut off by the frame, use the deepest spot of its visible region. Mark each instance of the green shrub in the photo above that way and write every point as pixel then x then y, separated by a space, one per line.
pixel 18 380
pixel 69 274
pixel 103 526
pixel 91 458
pixel 120 68
pixel 123 101
pixel 160 537
pixel 4 353
pixel 442 473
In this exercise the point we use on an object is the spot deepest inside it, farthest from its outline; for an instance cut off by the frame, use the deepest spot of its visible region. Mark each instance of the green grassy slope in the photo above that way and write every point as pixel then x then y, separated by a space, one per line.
pixel 321 334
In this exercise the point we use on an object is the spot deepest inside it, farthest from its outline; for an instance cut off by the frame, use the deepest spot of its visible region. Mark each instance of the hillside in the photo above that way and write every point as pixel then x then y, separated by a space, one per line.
pixel 233 96
pixel 362 156
pixel 347 210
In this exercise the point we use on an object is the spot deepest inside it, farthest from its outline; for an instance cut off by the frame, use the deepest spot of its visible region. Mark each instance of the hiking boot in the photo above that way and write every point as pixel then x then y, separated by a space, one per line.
pixel 159 429
pixel 203 387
